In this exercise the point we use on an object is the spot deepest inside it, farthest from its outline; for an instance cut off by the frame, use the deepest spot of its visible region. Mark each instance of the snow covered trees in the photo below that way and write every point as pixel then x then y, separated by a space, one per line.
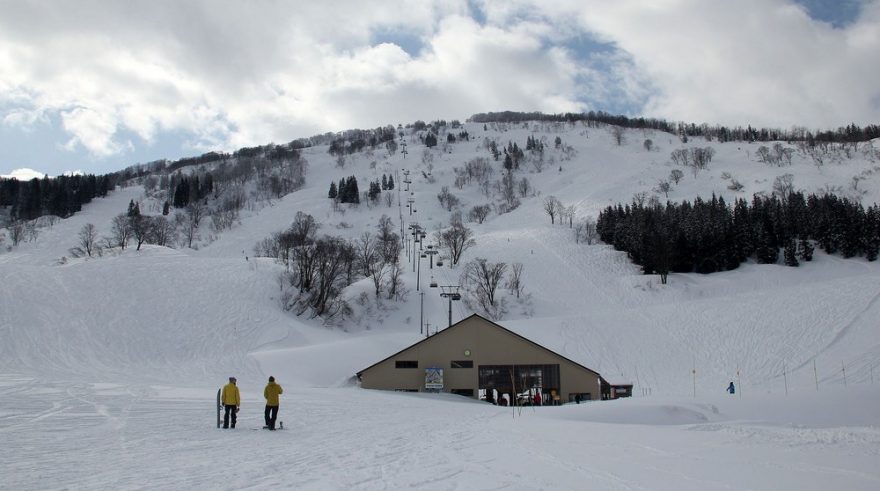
pixel 320 267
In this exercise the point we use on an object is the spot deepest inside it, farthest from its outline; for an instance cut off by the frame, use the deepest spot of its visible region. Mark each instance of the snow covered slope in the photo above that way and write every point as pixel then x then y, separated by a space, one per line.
pixel 113 361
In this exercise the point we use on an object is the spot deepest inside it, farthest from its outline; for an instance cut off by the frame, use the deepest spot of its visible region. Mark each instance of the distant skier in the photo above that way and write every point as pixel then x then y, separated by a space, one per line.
pixel 731 389
pixel 231 399
pixel 271 393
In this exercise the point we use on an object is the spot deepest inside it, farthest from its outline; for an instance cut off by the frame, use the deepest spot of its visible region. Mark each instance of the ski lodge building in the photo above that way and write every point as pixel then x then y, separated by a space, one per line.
pixel 481 359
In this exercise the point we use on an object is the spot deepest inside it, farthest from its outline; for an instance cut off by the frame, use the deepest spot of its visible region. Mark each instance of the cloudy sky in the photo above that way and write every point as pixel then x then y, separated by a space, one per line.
pixel 98 85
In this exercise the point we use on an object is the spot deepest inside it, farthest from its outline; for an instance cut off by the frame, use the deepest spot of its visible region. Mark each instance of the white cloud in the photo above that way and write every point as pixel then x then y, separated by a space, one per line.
pixel 23 174
pixel 760 61
pixel 229 74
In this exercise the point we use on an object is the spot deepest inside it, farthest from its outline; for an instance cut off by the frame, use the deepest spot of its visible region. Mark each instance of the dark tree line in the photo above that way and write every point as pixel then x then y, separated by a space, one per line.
pixel 188 189
pixel 346 192
pixel 709 236
pixel 845 134
pixel 61 196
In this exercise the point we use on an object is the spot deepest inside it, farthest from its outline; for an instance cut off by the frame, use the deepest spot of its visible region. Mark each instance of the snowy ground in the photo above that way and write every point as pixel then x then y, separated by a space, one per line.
pixel 117 436
pixel 109 366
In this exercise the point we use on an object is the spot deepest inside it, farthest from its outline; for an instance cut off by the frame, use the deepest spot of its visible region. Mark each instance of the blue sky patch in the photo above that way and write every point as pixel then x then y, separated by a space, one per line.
pixel 838 13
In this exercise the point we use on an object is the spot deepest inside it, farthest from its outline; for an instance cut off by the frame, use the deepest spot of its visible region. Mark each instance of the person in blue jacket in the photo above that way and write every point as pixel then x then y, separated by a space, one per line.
pixel 731 389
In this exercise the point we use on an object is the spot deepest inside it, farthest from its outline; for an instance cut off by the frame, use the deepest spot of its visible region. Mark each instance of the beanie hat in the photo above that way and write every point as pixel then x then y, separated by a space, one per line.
pixel 271 379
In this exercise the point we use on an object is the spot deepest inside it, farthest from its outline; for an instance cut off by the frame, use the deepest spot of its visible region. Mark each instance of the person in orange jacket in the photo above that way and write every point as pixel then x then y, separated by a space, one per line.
pixel 231 399
pixel 271 393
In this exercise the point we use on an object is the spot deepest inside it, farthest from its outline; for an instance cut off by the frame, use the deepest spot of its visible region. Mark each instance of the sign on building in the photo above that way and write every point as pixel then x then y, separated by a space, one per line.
pixel 434 378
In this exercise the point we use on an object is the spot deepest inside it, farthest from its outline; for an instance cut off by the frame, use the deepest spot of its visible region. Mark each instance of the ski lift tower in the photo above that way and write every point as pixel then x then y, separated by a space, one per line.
pixel 450 292
pixel 431 251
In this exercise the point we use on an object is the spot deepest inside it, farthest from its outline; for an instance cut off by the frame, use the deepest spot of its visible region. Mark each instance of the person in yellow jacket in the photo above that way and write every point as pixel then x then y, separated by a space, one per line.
pixel 271 393
pixel 231 401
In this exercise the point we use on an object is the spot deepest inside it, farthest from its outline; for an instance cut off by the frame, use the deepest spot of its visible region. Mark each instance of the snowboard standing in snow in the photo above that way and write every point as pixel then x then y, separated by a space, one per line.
pixel 219 407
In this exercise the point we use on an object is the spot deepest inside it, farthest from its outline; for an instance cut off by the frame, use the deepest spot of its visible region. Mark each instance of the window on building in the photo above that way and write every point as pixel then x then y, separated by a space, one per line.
pixel 461 364
pixel 524 376
pixel 406 364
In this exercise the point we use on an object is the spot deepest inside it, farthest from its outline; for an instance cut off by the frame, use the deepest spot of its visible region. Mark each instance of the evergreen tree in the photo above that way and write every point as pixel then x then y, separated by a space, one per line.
pixel 341 192
pixel 790 253
pixel 352 194
pixel 333 191
pixel 375 191
pixel 805 250
pixel 181 194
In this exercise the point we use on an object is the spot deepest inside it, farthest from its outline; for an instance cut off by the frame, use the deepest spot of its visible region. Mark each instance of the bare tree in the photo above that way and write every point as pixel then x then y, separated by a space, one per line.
pixel 88 237
pixel 663 186
pixel 394 284
pixel 568 213
pixel 447 199
pixel 648 144
pixel 552 207
pixel 389 242
pixel 617 133
pixel 162 231
pixel 17 231
pixel 482 279
pixel 515 283
pixel 141 228
pixel 508 191
pixel 194 213
pixel 783 186
pixel 524 187
pixel 457 238
pixel 585 230
pixel 369 257
pixel 121 231
pixel 334 257
pixel 676 175
pixel 479 213
pixel 32 230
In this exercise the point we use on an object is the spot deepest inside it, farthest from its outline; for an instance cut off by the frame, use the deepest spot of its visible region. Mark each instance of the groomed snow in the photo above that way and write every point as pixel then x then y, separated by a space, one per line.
pixel 109 366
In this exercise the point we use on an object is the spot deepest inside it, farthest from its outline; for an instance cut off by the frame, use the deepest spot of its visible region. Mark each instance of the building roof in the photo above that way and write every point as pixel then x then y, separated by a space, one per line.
pixel 493 324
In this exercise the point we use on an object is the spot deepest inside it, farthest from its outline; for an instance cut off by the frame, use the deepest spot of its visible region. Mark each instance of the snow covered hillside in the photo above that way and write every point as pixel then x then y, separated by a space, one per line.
pixel 109 365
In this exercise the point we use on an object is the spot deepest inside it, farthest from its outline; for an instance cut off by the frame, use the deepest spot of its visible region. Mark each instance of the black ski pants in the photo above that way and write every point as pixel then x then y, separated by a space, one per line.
pixel 271 415
pixel 230 411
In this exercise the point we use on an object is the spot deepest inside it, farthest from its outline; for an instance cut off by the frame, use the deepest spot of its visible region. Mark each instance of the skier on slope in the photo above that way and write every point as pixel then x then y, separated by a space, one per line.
pixel 731 389
pixel 231 400
pixel 271 393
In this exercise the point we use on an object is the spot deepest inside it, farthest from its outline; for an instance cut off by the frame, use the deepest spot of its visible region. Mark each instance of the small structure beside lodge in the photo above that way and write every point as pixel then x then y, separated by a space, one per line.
pixel 481 359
